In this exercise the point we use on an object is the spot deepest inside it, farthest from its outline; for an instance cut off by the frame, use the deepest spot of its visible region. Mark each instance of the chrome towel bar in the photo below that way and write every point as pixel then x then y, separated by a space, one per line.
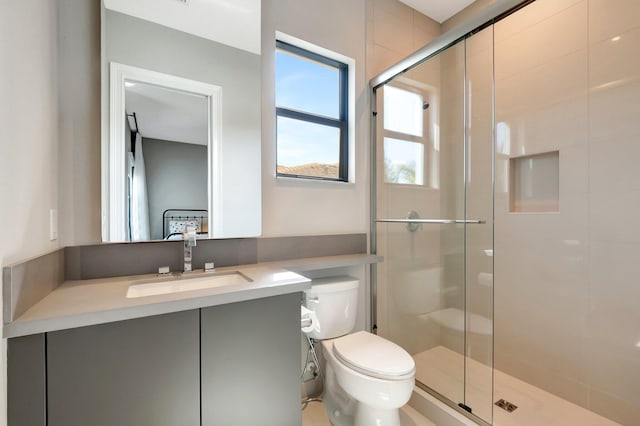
pixel 414 222
pixel 432 221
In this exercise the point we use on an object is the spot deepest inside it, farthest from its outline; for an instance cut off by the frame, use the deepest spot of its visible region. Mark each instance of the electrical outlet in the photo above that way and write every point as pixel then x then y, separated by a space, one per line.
pixel 53 224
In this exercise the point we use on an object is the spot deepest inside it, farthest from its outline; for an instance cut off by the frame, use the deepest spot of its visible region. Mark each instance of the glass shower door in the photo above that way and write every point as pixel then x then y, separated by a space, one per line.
pixel 432 151
pixel 479 239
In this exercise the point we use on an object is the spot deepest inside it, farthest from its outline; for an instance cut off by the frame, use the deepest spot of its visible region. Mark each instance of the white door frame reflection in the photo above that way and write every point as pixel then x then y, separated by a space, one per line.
pixel 114 203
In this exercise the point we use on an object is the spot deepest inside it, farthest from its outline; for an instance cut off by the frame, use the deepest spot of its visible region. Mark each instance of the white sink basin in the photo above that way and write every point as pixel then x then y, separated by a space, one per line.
pixel 180 283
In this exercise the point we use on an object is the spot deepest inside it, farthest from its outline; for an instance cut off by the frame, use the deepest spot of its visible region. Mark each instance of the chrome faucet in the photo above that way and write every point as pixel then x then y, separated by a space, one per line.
pixel 189 237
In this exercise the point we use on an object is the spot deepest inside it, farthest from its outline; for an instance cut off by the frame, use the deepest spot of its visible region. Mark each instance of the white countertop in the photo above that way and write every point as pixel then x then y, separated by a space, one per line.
pixel 81 303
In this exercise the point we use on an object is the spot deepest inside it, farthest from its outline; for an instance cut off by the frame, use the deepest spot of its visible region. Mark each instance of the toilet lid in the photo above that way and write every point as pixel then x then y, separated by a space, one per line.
pixel 374 356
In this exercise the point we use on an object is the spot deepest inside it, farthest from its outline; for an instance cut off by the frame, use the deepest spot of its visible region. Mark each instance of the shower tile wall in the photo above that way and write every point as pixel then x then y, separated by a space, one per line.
pixel 567 78
pixel 394 30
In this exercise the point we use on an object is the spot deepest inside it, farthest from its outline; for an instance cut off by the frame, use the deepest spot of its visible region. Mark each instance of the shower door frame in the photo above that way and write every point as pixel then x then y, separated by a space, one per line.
pixel 485 18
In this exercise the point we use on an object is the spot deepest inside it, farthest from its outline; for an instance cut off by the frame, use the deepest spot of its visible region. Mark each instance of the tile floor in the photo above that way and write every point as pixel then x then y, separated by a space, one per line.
pixel 442 369
pixel 315 415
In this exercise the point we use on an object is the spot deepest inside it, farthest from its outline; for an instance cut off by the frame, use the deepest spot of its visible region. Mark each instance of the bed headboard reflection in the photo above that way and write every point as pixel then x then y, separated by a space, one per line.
pixel 176 221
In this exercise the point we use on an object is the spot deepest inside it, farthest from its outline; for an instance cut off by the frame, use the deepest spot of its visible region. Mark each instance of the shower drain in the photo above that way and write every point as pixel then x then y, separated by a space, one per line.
pixel 506 405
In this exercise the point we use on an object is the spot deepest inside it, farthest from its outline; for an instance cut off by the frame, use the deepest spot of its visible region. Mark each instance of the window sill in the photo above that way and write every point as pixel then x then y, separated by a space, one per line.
pixel 293 181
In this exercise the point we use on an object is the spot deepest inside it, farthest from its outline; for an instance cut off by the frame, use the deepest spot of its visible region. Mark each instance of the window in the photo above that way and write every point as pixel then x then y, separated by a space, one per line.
pixel 311 115
pixel 404 140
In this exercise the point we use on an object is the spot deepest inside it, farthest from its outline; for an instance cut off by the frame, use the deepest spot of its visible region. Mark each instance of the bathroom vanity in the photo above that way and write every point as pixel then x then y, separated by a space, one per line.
pixel 229 364
pixel 88 354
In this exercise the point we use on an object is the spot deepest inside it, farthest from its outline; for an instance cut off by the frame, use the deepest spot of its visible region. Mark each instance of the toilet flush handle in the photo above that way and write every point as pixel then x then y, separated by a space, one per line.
pixel 313 299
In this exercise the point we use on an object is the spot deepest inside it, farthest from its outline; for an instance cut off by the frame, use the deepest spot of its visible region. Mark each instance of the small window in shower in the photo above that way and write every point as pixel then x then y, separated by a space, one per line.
pixel 403 111
pixel 534 183
pixel 404 135
pixel 403 162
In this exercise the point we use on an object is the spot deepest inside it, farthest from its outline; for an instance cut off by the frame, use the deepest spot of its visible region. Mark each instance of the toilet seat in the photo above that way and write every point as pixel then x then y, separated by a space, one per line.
pixel 374 356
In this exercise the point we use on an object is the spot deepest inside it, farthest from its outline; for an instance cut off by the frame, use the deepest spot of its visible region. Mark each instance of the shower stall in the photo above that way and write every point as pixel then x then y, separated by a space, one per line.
pixel 501 149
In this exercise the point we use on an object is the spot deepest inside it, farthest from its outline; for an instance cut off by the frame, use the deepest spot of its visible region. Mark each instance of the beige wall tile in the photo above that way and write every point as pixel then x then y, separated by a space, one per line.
pixel 613 113
pixel 574 170
pixel 381 59
pixel 533 131
pixel 615 408
pixel 465 14
pixel 610 18
pixel 613 368
pixel 556 36
pixel 610 62
pixel 557 81
pixel 614 166
pixel 535 13
pixel 611 216
pixel 543 378
pixel 613 267
pixel 393 31
pixel 392 8
pixel 425 30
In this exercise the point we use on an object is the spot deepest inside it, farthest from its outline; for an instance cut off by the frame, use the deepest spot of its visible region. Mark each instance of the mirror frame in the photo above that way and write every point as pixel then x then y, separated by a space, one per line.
pixel 114 212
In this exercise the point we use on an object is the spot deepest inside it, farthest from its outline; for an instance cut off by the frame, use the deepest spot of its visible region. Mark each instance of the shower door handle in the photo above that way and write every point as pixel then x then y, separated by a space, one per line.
pixel 414 222
pixel 432 221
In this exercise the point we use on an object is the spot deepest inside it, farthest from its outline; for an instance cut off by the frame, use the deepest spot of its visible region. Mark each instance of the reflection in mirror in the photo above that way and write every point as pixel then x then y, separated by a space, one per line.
pixel 164 136
pixel 232 199
pixel 166 146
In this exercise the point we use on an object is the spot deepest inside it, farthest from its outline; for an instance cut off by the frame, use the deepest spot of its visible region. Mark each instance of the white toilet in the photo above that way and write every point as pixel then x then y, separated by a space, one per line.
pixel 367 378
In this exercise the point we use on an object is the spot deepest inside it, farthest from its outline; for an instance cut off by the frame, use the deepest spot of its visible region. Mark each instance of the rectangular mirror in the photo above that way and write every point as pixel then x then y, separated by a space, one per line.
pixel 181 131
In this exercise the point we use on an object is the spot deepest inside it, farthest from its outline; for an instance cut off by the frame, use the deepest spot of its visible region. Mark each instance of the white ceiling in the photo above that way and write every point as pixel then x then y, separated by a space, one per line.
pixel 438 10
pixel 168 114
pixel 235 23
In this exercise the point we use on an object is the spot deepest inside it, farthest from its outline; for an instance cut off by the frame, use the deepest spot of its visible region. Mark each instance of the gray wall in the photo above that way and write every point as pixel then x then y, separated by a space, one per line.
pixel 79 121
pixel 79 71
pixel 176 178
pixel 303 206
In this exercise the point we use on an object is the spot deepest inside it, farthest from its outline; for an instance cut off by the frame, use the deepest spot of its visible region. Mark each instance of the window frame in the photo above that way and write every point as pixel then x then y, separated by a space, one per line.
pixel 341 123
pixel 424 139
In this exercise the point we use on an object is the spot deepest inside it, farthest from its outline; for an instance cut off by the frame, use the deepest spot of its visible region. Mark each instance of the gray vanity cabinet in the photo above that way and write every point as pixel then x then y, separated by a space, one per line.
pixel 250 362
pixel 234 365
pixel 140 372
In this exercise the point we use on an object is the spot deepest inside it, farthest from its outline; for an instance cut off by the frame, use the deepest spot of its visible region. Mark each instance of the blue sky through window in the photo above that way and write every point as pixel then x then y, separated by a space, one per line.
pixel 307 86
pixel 300 142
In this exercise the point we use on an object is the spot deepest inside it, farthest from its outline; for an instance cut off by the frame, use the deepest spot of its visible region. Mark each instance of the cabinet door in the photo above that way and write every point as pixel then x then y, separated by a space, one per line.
pixel 251 363
pixel 141 372
pixel 26 378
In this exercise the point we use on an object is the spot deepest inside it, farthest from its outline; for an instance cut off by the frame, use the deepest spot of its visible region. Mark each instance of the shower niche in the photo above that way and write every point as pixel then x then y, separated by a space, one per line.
pixel 534 183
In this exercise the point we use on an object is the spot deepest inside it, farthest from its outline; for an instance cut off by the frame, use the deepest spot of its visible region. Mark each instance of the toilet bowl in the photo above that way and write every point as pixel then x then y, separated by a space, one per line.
pixel 367 378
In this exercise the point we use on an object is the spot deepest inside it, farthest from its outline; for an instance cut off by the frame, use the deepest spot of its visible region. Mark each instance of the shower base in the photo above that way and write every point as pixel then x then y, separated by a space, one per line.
pixel 442 370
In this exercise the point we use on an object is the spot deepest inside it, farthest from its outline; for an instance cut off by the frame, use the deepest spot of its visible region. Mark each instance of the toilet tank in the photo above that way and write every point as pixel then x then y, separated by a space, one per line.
pixel 335 302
